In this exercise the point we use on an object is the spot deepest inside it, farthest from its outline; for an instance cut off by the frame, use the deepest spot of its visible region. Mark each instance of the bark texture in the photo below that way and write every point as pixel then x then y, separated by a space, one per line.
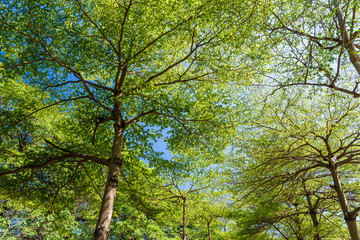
pixel 107 205
pixel 348 41
pixel 208 228
pixel 349 217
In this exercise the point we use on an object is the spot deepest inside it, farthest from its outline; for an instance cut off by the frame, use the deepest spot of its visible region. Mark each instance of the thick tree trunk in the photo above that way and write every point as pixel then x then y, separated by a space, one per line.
pixel 348 216
pixel 184 220
pixel 103 224
pixel 354 57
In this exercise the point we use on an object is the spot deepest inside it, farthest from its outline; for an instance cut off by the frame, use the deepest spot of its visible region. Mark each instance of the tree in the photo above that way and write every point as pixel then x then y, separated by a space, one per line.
pixel 184 183
pixel 296 138
pixel 115 68
pixel 210 210
pixel 138 215
pixel 301 208
pixel 314 44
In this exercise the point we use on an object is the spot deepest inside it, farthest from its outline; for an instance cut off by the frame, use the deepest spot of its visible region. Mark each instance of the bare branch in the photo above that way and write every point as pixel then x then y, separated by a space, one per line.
pixel 299 33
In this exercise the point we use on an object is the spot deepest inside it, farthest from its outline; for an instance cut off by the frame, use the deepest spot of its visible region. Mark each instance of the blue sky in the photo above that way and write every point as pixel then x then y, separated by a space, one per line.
pixel 160 146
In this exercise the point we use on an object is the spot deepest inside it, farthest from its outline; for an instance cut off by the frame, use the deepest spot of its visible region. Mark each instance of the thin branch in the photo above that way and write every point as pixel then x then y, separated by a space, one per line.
pixel 135 119
pixel 182 119
pixel 353 93
pixel 157 38
pixel 74 72
pixel 25 63
pixel 32 166
pixel 172 65
pixel 16 30
pixel 64 185
pixel 283 26
pixel 92 182
pixel 81 155
pixel 183 80
pixel 356 210
pixel 96 26
pixel 127 9
pixel 98 123
pixel 28 180
pixel 40 109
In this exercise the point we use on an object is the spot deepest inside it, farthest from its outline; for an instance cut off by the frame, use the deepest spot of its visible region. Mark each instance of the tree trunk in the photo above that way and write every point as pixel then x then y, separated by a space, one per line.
pixel 312 211
pixel 107 205
pixel 184 219
pixel 354 57
pixel 349 218
pixel 208 228
pixel 348 41
pixel 317 236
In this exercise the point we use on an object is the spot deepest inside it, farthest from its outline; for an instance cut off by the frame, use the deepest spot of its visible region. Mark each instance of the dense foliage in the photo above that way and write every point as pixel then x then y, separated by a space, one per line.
pixel 204 119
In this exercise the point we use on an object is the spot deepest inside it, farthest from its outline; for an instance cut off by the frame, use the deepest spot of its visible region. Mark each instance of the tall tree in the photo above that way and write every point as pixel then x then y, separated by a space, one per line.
pixel 299 136
pixel 117 68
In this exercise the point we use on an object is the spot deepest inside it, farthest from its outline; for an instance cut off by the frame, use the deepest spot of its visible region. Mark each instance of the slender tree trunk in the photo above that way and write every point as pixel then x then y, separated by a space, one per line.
pixel 315 223
pixel 107 205
pixel 184 219
pixel 350 219
pixel 312 210
pixel 298 231
pixel 208 228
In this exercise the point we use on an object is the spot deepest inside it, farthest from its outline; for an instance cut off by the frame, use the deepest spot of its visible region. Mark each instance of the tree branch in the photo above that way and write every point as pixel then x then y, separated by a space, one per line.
pixel 96 26
pixel 81 155
pixel 135 119
pixel 40 109
pixel 64 185
pixel 98 123
pixel 92 182
pixel 32 166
